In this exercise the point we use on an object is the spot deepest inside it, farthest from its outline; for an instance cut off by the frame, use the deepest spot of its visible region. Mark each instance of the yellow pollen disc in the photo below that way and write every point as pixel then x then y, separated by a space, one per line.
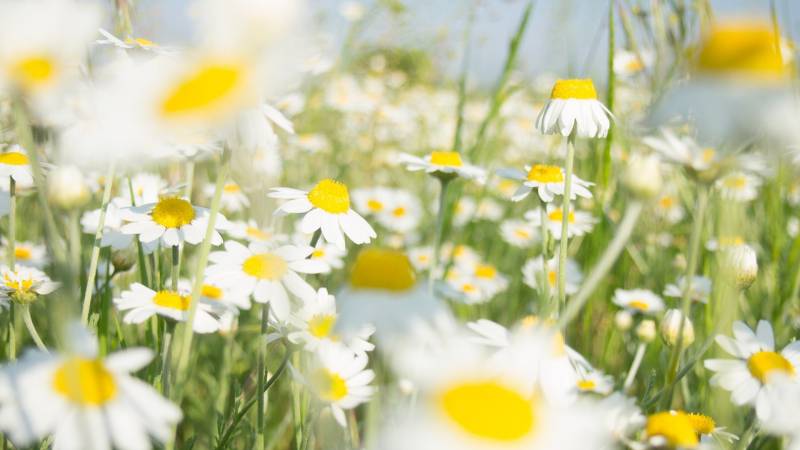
pixel 330 196
pixel 529 321
pixel 552 277
pixel 377 268
pixel 374 205
pixel 742 49
pixel 702 423
pixel 211 292
pixel 209 88
pixel 265 266
pixel 522 234
pixel 763 364
pixel 449 159
pixel 172 300
pixel 485 271
pixel 318 253
pixel 586 385
pixel 140 41
pixel 468 288
pixel 399 212
pixel 321 325
pixel 675 427
pixel 173 212
pixel 582 89
pixel 545 174
pixel 22 253
pixel 736 182
pixel 708 155
pixel 557 215
pixel 330 386
pixel 730 241
pixel 489 410
pixel 255 233
pixel 641 305
pixel 666 202
pixel 231 188
pixel 84 381
pixel 13 159
pixel 634 65
pixel 33 71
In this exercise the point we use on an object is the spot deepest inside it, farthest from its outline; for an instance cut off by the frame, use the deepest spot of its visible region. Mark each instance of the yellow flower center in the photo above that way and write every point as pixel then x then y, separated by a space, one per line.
pixel 330 386
pixel 634 65
pixel 33 71
pixel 742 49
pixel 735 182
pixel 522 234
pixel 557 215
pixel 766 363
pixel 469 288
pixel 708 155
pixel 545 174
pixel 330 196
pixel 85 382
pixel 586 385
pixel 489 410
pixel 702 423
pixel 321 325
pixel 211 292
pixel 666 202
pixel 172 300
pixel 13 159
pixel 140 41
pixel 485 271
pixel 676 427
pixel 208 89
pixel 231 188
pixel 552 277
pixel 318 253
pixel 641 305
pixel 173 212
pixel 449 159
pixel 374 205
pixel 22 253
pixel 13 281
pixel 377 268
pixel 265 266
pixel 399 212
pixel 582 89
pixel 730 241
pixel 257 234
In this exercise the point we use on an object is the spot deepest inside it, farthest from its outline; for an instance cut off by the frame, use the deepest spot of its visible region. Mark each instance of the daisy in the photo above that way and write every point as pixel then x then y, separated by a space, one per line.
pixel 369 201
pixel 402 214
pixel 674 429
pixel 145 188
pixel 112 227
pixel 628 64
pixel 443 164
pixel 420 258
pixel 83 400
pixel 341 379
pixel 24 284
pixel 478 281
pixel 548 182
pixel 638 301
pixel 250 231
pixel 668 207
pixel 573 105
pixel 518 233
pixel 331 256
pixel 580 222
pixel 264 272
pixel 315 323
pixel 700 289
pixel 757 364
pixel 233 198
pixel 171 221
pixel 224 298
pixel 29 254
pixel 595 382
pixel 784 417
pixel 684 151
pixel 532 274
pixel 325 207
pixel 130 43
pixel 739 186
pixel 15 164
pixel 141 303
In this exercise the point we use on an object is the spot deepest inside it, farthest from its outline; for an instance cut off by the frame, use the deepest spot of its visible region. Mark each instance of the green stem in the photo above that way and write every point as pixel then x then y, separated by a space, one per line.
pixel 166 357
pixel 545 278
pixel 175 268
pixel 11 254
pixel 74 250
pixel 142 262
pixel 98 237
pixel 26 317
pixel 262 373
pixel 565 204
pixel 637 362
pixel 444 183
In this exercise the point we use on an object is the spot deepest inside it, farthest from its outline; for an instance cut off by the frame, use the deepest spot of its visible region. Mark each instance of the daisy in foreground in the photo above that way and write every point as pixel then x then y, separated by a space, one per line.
pixel 446 164
pixel 341 379
pixel 548 182
pixel 325 207
pixel 83 400
pixel 24 284
pixel 171 221
pixel 757 365
pixel 573 107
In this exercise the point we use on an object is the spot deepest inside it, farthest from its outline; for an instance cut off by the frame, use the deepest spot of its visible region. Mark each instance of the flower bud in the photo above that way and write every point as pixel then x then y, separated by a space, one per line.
pixel 646 331
pixel 741 262
pixel 623 320
pixel 67 188
pixel 671 325
pixel 123 260
pixel 643 175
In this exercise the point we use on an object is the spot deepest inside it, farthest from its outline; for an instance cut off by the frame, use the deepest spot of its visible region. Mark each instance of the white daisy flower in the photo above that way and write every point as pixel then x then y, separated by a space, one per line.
pixel 699 291
pixel 668 206
pixel 146 188
pixel 24 284
pixel 224 298
pixel 232 200
pixel 749 376
pixel 683 151
pixel 595 382
pixel 548 182
pixel 464 211
pixel 628 64
pixel 112 227
pixel 130 43
pixel 371 201
pixel 420 258
pixel 402 214
pixel 638 301
pixel 489 209
pixel 141 303
pixel 532 274
pixel 325 207
pixel 725 242
pixel 250 231
pixel 477 282
pixel 171 221
pixel 315 323
pixel 739 186
pixel 29 254
pixel 443 163
pixel 573 105
pixel 84 401
pixel 331 256
pixel 784 416
pixel 518 233
pixel 15 164
pixel 265 273
pixel 580 222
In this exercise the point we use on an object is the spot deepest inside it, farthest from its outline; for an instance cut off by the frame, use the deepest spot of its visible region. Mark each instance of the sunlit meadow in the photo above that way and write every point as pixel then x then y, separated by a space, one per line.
pixel 280 232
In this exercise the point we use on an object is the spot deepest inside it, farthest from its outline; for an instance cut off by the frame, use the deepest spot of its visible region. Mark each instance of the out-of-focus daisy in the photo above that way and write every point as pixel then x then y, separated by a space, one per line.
pixel 784 417
pixel 145 187
pixel 250 231
pixel 331 256
pixel 639 301
pixel 402 214
pixel 171 221
pixel 315 323
pixel 264 272
pixel 532 274
pixel 725 242
pixel 518 233
pixel 112 227
pixel 369 201
pixel 580 222
pixel 233 199
pixel 24 284
pixel 685 152
pixel 669 207
pixel 325 207
pixel 29 254
pixel 573 105
pixel 15 164
pixel 476 281
pixel 748 377
pixel 443 163
pixel 420 258
pixel 595 382
pixel 141 303
pixel 464 211
pixel 548 182
pixel 130 43
pixel 629 64
pixel 739 186
pixel 341 379
pixel 83 400
pixel 222 298
pixel 699 291
pixel 680 429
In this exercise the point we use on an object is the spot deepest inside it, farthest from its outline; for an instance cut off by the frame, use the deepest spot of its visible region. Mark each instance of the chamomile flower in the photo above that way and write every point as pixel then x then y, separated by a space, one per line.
pixel 580 222
pixel 628 64
pixel 784 417
pixel 420 258
pixel 402 214
pixel 477 281
pixel 739 186
pixel 171 221
pixel 250 231
pixel 233 198
pixel 331 256
pixel 340 379
pixel 668 207
pixel 532 274
pixel 699 291
pixel 84 400
pixel 749 376
pixel 222 298
pixel 29 254
pixel 325 207
pixel 639 301
pixel 595 382
pixel 685 152
pixel 518 233
pixel 443 163
pixel 369 201
pixel 548 182
pixel 315 323
pixel 674 429
pixel 130 43
pixel 573 106
pixel 264 272
pixel 24 284
pixel 15 164
pixel 141 303
pixel 112 227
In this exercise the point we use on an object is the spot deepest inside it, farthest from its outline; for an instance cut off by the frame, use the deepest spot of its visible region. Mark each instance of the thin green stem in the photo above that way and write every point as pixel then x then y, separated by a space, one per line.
pixel 637 362
pixel 565 204
pixel 11 254
pixel 262 373
pixel 166 357
pixel 545 275
pixel 175 274
pixel 26 317
pixel 98 237
pixel 444 183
